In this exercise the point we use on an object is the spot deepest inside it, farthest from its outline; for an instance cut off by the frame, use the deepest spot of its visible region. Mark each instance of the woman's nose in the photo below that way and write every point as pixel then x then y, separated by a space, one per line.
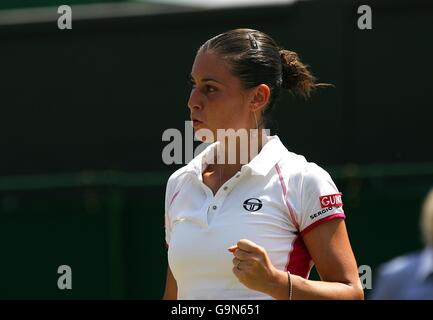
pixel 194 101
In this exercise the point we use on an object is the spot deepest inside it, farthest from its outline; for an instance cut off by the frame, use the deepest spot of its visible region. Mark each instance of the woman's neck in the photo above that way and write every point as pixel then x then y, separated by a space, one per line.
pixel 233 152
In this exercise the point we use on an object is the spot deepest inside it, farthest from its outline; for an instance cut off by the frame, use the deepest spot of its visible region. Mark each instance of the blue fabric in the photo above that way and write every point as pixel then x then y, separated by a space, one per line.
pixel 406 277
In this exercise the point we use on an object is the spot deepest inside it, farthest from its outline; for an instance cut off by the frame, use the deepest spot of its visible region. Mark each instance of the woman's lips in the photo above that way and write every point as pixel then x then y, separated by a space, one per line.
pixel 196 123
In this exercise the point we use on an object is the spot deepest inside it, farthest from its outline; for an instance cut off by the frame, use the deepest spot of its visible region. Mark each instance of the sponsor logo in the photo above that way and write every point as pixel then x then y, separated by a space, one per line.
pixel 252 204
pixel 313 216
pixel 331 200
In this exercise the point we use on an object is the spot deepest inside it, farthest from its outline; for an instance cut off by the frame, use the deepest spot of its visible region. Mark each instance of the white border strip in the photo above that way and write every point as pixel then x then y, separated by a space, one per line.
pixel 90 11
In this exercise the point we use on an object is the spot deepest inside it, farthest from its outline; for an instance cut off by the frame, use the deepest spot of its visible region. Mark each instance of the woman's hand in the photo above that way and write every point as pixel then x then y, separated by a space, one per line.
pixel 252 266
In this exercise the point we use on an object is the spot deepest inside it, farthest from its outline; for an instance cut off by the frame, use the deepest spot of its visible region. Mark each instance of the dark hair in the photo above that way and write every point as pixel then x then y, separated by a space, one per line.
pixel 256 58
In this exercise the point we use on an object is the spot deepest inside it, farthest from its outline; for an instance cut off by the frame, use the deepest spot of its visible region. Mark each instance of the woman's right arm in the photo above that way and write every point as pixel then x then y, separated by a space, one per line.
pixel 170 287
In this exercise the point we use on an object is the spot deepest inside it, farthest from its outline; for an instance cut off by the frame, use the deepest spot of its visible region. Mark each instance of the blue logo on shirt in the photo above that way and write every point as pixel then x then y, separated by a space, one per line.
pixel 252 204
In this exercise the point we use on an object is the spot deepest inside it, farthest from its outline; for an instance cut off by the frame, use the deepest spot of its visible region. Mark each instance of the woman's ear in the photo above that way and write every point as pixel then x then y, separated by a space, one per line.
pixel 260 97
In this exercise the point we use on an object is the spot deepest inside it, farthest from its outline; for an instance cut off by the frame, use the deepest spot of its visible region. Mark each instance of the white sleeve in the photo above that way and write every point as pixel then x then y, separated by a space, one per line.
pixel 167 223
pixel 320 199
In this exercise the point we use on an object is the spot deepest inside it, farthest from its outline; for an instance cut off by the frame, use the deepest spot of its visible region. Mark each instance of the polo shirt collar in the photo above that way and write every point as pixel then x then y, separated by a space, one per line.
pixel 268 157
pixel 199 162
pixel 261 164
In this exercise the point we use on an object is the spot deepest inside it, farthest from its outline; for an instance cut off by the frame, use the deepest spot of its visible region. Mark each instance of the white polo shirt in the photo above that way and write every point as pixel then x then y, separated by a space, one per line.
pixel 273 201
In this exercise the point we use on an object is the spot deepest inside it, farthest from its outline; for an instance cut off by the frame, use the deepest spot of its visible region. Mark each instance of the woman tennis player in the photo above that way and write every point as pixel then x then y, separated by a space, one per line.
pixel 252 230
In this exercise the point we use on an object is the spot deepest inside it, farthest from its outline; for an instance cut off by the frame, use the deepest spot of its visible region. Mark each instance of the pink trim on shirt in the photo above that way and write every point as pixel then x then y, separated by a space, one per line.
pixel 315 224
pixel 172 199
pixel 292 216
pixel 299 259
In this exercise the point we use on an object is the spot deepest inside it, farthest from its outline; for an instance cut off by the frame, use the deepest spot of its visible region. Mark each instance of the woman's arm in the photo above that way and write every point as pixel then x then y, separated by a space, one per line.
pixel 329 247
pixel 170 287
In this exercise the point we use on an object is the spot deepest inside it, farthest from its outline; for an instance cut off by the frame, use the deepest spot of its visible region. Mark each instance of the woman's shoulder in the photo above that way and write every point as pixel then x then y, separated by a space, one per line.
pixel 299 168
pixel 178 174
pixel 295 162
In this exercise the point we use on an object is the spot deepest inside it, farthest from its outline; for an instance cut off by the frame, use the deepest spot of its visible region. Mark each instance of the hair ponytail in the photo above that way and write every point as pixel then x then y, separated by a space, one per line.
pixel 295 75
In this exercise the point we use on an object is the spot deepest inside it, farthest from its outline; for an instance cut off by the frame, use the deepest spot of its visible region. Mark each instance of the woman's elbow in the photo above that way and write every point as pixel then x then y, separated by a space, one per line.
pixel 357 292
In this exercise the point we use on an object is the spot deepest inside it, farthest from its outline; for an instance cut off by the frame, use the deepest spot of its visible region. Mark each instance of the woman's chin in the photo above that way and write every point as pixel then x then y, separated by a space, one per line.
pixel 204 134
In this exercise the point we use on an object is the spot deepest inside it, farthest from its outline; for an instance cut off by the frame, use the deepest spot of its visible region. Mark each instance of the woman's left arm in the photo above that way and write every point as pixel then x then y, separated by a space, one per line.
pixel 329 247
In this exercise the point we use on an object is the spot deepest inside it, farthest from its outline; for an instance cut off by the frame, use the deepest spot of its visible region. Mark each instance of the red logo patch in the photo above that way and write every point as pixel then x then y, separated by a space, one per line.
pixel 331 200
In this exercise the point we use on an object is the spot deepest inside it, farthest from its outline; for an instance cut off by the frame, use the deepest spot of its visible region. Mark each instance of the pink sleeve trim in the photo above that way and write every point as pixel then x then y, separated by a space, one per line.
pixel 315 224
pixel 292 216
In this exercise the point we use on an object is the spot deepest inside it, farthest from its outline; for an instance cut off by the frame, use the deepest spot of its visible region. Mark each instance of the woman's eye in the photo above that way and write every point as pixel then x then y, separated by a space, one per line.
pixel 207 88
pixel 210 88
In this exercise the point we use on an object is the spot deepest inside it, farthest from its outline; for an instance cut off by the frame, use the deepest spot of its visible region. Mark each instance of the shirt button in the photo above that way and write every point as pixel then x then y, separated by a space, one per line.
pixel 225 188
pixel 237 176
pixel 214 207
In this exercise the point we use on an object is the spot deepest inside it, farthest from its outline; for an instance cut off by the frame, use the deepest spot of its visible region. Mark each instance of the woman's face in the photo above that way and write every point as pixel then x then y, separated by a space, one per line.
pixel 217 99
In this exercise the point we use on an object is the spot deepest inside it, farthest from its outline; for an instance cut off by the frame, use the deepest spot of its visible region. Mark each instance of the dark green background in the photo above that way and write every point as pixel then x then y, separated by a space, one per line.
pixel 83 111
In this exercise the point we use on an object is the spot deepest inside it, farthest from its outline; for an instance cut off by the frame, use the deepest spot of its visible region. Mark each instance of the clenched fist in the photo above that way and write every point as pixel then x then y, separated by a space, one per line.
pixel 252 266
